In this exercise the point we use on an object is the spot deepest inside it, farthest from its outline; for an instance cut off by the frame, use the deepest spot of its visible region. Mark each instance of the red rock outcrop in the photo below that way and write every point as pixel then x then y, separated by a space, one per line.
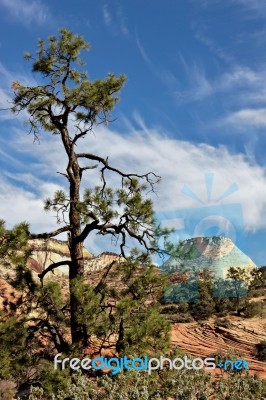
pixel 205 339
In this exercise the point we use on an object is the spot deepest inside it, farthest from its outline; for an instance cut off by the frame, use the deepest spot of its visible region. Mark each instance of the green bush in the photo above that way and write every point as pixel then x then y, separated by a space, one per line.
pixel 261 350
pixel 183 307
pixel 239 387
pixel 203 309
pixel 180 318
pixel 253 309
pixel 256 292
pixel 133 385
pixel 224 323
pixel 223 305
pixel 170 309
pixel 164 384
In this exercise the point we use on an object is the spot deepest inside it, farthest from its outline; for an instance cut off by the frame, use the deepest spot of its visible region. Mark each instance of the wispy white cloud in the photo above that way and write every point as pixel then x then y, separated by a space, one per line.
pixel 218 51
pixel 107 17
pixel 18 204
pixel 142 150
pixel 201 87
pixel 143 52
pixel 27 11
pixel 116 20
pixel 6 93
pixel 248 117
pixel 122 20
pixel 257 6
pixel 167 77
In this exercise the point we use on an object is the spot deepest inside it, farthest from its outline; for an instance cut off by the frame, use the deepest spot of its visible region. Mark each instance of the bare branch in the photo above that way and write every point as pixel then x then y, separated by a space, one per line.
pixel 148 176
pixel 81 134
pixel 101 282
pixel 65 175
pixel 89 167
pixel 52 267
pixel 50 234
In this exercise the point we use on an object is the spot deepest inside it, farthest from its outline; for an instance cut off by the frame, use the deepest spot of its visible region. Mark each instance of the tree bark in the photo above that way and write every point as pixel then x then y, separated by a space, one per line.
pixel 76 270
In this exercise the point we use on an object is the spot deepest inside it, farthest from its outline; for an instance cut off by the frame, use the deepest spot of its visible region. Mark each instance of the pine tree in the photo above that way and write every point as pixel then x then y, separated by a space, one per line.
pixel 66 94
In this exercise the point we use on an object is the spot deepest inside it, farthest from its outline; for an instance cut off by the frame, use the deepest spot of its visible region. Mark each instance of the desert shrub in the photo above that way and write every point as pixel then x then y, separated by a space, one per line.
pixel 134 385
pixel 256 292
pixel 261 350
pixel 183 307
pixel 224 323
pixel 223 305
pixel 37 393
pixel 180 318
pixel 170 309
pixel 203 309
pixel 238 386
pixel 253 309
pixel 7 389
pixel 166 384
pixel 160 384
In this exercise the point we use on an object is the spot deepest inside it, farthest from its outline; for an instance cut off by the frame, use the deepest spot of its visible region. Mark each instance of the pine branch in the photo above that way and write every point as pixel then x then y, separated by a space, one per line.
pixel 52 267
pixel 150 177
pixel 48 235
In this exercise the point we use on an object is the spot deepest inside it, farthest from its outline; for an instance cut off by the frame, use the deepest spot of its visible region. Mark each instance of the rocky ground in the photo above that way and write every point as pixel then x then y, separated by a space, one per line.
pixel 206 338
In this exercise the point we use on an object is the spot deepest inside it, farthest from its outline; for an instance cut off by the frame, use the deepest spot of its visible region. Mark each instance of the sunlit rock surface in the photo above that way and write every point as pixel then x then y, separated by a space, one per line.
pixel 215 253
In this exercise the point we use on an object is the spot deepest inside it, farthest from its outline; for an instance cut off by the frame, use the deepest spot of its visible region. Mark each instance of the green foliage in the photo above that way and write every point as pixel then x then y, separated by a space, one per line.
pixel 134 385
pixel 244 387
pixel 68 86
pixel 180 318
pixel 257 287
pixel 14 244
pixel 224 323
pixel 54 380
pixel 115 312
pixel 203 309
pixel 17 351
pixel 173 308
pixel 237 283
pixel 205 305
pixel 254 309
pixel 261 350
pixel 165 384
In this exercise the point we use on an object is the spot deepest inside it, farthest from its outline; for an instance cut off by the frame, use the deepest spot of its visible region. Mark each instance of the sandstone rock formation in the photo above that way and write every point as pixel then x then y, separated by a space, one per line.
pixel 206 339
pixel 46 252
pixel 102 261
pixel 216 254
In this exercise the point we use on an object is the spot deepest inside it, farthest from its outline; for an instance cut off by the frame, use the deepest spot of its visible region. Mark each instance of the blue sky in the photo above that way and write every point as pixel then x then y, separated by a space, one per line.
pixel 194 104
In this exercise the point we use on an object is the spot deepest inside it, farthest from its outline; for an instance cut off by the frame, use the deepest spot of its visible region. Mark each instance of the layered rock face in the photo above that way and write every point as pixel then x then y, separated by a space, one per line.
pixel 102 261
pixel 216 254
pixel 206 338
pixel 47 252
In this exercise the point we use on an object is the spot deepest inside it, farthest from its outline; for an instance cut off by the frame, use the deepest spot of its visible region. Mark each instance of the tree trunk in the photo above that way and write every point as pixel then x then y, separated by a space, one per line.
pixel 76 271
pixel 78 331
